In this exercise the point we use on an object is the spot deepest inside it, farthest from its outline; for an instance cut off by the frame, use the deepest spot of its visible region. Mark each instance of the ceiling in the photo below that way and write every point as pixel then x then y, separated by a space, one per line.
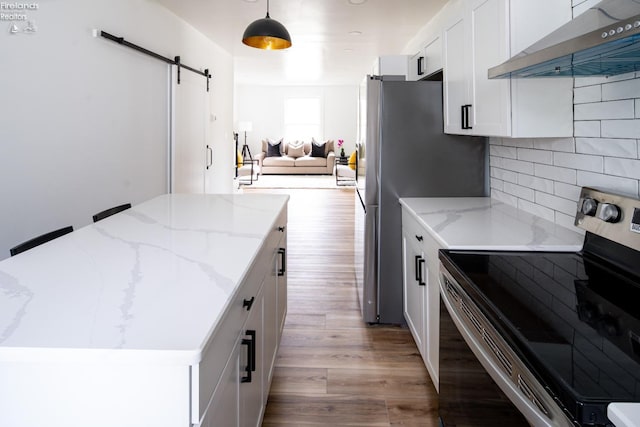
pixel 325 50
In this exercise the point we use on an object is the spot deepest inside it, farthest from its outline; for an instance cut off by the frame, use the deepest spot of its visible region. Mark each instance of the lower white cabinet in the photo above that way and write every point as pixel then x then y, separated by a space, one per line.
pixel 421 290
pixel 242 391
pixel 414 281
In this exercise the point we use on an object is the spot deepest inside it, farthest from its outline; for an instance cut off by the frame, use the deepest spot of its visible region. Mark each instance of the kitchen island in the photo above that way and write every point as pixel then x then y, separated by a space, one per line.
pixel 166 314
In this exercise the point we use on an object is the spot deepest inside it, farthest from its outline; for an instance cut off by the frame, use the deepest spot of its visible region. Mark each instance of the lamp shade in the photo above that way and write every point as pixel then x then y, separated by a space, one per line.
pixel 266 33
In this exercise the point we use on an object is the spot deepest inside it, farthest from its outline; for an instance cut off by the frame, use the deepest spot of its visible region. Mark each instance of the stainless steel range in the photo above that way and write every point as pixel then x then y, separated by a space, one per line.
pixel 544 338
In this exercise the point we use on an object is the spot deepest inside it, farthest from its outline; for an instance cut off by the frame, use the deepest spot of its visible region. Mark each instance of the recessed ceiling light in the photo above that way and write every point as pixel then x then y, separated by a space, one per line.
pixel 356 1
pixel 355 33
pixel 250 1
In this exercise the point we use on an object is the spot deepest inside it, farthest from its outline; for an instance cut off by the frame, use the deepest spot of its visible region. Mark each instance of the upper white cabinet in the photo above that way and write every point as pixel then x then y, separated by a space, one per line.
pixel 480 34
pixel 390 65
pixel 427 61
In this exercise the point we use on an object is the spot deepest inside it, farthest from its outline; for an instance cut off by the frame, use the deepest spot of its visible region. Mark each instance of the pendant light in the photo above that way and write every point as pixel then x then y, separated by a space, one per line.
pixel 266 33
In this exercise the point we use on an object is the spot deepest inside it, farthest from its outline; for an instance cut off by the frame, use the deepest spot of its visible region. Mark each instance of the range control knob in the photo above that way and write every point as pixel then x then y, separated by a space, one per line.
pixel 609 212
pixel 589 206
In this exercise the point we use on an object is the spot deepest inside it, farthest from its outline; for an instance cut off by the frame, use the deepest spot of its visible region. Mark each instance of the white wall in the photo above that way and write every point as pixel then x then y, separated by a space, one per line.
pixel 264 107
pixel 84 121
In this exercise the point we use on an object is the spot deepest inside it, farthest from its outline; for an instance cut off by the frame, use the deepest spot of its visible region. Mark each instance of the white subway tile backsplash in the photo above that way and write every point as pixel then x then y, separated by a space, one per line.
pixel 502 151
pixel 536 209
pixel 628 168
pixel 608 182
pixel 623 109
pixel 556 203
pixel 535 182
pixel 608 147
pixel 538 156
pixel 496 184
pixel 566 191
pixel 579 161
pixel 589 128
pixel 555 144
pixel 544 176
pixel 504 175
pixel 621 128
pixel 504 198
pixel 586 94
pixel 518 142
pixel 518 191
pixel 625 89
pixel 517 166
pixel 556 173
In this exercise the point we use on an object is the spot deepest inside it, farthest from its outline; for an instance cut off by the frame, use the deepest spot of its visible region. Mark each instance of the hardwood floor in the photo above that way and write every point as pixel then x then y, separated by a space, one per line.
pixel 333 369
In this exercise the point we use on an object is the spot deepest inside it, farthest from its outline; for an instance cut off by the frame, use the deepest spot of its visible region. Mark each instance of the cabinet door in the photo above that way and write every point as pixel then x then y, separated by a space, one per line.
pixel 251 366
pixel 455 85
pixel 224 409
pixel 414 281
pixel 488 24
pixel 433 56
pixel 271 323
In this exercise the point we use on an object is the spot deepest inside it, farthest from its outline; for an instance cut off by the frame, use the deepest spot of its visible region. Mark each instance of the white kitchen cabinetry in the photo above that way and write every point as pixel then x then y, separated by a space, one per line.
pixel 421 290
pixel 414 280
pixel 427 61
pixel 416 69
pixel 483 33
pixel 390 65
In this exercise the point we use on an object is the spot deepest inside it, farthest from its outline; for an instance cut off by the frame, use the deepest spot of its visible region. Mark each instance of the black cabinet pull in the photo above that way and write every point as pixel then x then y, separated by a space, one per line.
pixel 420 64
pixel 419 238
pixel 281 229
pixel 283 261
pixel 252 350
pixel 416 266
pixel 247 303
pixel 465 116
pixel 463 110
pixel 421 281
pixel 247 378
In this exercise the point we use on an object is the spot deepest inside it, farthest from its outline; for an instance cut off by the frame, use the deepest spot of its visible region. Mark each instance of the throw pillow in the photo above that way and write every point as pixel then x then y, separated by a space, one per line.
pixel 240 160
pixel 274 150
pixel 295 151
pixel 318 149
pixel 352 160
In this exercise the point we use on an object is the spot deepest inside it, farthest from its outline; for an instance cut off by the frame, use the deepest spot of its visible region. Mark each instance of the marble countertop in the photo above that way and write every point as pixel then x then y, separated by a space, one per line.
pixel 483 223
pixel 624 414
pixel 155 278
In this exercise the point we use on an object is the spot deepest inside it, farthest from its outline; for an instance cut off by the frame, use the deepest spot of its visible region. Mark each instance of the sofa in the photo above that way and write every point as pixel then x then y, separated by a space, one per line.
pixel 296 157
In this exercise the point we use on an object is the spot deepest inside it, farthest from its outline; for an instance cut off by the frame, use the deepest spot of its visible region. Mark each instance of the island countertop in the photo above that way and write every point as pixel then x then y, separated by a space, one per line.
pixel 153 280
pixel 482 223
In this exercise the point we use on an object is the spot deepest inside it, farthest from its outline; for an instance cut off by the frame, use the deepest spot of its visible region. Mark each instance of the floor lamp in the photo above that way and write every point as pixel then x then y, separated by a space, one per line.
pixel 245 127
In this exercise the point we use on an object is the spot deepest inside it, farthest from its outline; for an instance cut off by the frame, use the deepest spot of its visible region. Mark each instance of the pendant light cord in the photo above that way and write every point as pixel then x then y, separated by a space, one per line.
pixel 268 9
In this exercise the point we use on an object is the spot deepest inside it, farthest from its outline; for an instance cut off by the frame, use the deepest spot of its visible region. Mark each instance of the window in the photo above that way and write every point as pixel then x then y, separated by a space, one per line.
pixel 302 119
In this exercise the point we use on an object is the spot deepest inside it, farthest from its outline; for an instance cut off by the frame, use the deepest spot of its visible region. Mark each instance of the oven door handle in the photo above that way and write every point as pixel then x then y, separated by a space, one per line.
pixel 528 409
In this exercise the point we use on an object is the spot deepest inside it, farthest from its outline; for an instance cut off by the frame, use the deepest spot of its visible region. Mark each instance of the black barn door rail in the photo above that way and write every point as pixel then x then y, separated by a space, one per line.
pixel 175 61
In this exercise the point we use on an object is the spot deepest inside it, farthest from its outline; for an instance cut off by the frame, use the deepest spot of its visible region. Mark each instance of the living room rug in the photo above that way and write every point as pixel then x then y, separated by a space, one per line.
pixel 294 181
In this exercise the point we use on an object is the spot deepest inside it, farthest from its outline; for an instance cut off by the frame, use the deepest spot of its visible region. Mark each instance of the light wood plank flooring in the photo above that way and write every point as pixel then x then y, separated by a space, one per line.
pixel 333 369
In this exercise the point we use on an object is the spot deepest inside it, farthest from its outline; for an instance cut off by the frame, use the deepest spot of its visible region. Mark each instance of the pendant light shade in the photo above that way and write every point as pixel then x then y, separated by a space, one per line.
pixel 267 34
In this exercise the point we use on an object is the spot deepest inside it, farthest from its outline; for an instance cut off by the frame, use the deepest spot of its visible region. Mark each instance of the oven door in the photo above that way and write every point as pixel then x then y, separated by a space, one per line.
pixel 482 382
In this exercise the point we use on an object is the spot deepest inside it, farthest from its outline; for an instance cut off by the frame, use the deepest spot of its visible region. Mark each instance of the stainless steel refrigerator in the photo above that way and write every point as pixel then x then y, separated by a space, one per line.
pixel 405 153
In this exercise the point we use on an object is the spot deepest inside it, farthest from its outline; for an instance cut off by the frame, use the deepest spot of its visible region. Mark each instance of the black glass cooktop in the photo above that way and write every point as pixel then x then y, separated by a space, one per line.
pixel 574 320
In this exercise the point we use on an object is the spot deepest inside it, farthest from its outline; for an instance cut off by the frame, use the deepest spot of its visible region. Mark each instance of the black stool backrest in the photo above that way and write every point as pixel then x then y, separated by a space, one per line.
pixel 112 211
pixel 37 241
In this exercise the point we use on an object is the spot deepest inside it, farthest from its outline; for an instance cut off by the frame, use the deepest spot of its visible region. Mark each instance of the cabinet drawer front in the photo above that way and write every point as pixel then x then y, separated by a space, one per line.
pixel 412 227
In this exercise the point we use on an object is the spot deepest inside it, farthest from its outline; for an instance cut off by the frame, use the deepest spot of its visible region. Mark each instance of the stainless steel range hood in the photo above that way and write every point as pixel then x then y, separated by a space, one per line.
pixel 603 41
